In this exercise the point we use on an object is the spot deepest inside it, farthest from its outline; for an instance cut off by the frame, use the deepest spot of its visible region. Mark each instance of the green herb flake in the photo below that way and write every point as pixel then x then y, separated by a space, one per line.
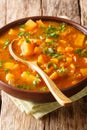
pixel 62 27
pixel 1 63
pixel 6 70
pixel 55 66
pixel 49 51
pixel 27 72
pixel 21 34
pixel 81 52
pixel 22 26
pixel 35 83
pixel 43 28
pixel 38 76
pixel 7 41
pixel 27 40
pixel 40 37
pixel 43 89
pixel 54 34
pixel 25 34
pixel 84 52
pixel 52 31
pixel 78 51
pixel 23 86
pixel 62 70
pixel 52 64
pixel 57 55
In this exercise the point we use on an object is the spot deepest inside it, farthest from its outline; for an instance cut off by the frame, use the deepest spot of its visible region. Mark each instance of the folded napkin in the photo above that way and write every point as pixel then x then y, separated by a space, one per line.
pixel 38 110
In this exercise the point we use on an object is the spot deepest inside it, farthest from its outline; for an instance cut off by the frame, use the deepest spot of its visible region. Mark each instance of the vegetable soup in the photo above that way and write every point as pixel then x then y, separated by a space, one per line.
pixel 59 49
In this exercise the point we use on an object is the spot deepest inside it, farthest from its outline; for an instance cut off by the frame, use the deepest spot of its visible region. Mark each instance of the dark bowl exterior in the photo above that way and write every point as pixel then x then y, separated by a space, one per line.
pixel 34 95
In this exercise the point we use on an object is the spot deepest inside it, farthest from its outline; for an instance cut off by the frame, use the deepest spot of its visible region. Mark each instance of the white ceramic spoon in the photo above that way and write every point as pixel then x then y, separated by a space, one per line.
pixel 55 91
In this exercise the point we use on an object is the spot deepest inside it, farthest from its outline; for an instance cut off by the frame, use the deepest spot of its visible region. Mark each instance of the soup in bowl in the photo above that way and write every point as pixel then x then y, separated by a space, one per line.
pixel 59 46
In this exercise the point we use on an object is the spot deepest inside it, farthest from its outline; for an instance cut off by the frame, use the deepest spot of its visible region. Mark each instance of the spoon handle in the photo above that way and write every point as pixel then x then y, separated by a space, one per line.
pixel 56 92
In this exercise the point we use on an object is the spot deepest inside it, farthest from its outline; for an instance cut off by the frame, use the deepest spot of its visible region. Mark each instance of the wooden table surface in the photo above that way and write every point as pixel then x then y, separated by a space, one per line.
pixel 71 118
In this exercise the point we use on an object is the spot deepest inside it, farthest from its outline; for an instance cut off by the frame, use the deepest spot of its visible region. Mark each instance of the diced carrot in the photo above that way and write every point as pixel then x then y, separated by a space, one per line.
pixel 83 71
pixel 66 32
pixel 54 60
pixel 79 40
pixel 68 49
pixel 54 75
pixel 40 23
pixel 37 50
pixel 69 59
pixel 30 25
pixel 42 59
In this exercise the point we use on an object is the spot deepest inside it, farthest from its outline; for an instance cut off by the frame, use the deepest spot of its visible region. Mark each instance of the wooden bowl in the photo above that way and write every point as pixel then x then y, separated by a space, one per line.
pixel 41 96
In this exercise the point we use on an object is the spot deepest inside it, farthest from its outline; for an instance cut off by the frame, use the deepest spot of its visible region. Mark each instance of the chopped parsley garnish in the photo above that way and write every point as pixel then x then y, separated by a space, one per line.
pixel 78 51
pixel 27 40
pixel 81 52
pixel 23 86
pixel 49 51
pixel 43 89
pixel 25 34
pixel 7 41
pixel 62 27
pixel 52 64
pixel 57 55
pixel 6 70
pixel 22 25
pixel 52 31
pixel 35 83
pixel 62 70
pixel 1 63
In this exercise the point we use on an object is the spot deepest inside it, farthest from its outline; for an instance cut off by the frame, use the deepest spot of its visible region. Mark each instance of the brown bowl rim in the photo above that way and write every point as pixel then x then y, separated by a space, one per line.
pixel 9 89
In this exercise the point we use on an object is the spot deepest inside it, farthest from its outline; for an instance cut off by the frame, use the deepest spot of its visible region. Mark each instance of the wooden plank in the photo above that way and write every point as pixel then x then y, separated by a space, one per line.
pixel 73 117
pixel 83 6
pixel 2 12
pixel 68 8
pixel 17 9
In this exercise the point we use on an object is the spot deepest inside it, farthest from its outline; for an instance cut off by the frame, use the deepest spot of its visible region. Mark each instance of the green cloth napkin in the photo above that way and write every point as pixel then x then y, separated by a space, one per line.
pixel 38 110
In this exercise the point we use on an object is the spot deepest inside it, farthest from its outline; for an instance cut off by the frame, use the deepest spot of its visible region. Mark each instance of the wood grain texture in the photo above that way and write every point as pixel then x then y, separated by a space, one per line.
pixel 17 9
pixel 73 117
pixel 83 5
pixel 68 8
pixel 2 12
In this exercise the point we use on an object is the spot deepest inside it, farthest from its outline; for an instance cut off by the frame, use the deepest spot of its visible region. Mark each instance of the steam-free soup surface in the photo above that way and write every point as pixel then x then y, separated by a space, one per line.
pixel 59 49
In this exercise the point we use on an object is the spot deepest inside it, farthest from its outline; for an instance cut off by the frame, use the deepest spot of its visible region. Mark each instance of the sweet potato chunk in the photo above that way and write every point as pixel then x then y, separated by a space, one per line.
pixel 10 78
pixel 79 40
pixel 30 25
pixel 10 65
pixel 28 77
pixel 83 71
